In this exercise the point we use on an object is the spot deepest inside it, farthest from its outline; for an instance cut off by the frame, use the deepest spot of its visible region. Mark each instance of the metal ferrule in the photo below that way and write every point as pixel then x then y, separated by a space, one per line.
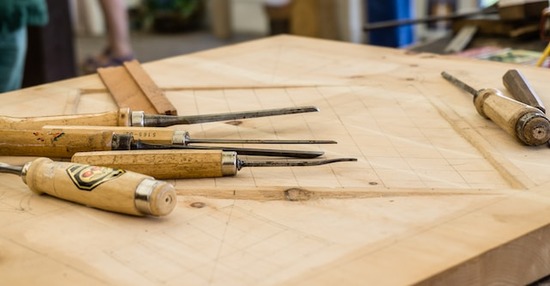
pixel 143 194
pixel 180 137
pixel 138 119
pixel 122 142
pixel 479 99
pixel 229 163
pixel 24 171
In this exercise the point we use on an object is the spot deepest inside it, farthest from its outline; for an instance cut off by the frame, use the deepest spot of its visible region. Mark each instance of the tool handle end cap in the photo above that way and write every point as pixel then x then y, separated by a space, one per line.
pixel 156 198
pixel 537 131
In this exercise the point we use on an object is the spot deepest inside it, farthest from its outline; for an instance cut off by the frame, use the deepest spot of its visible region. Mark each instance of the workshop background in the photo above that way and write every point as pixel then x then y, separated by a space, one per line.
pixel 159 32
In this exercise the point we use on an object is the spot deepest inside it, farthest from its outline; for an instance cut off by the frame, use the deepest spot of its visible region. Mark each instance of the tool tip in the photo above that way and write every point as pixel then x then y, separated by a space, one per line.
pixel 345 160
pixel 310 109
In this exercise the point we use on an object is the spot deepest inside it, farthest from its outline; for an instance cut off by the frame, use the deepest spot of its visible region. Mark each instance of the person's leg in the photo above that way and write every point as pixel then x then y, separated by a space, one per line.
pixel 13 47
pixel 119 47
pixel 116 18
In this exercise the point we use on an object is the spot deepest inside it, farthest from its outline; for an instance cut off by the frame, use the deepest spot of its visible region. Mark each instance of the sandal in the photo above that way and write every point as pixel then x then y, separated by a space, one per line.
pixel 105 59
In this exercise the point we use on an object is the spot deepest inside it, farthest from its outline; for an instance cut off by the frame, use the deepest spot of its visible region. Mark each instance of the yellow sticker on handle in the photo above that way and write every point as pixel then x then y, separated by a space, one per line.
pixel 86 177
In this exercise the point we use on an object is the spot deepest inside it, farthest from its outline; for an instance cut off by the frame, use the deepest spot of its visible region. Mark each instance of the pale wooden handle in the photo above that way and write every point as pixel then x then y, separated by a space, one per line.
pixel 507 113
pixel 52 143
pixel 99 187
pixel 157 135
pixel 113 118
pixel 164 164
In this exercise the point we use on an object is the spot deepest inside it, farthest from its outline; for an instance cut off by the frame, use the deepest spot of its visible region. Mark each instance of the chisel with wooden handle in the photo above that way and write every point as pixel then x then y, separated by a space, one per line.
pixel 162 135
pixel 521 90
pixel 103 188
pixel 65 143
pixel 185 164
pixel 126 117
pixel 526 123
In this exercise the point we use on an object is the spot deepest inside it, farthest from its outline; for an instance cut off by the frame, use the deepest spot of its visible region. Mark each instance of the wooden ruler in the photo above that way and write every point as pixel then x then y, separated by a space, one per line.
pixel 132 87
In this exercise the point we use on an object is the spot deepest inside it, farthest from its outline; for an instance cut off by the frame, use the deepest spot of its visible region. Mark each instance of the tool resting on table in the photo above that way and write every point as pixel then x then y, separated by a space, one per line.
pixel 125 117
pixel 161 135
pixel 64 143
pixel 104 188
pixel 521 90
pixel 184 164
pixel 526 123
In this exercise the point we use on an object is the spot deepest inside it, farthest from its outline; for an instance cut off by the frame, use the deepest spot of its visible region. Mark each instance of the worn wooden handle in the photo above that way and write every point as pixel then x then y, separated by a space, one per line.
pixel 165 164
pixel 100 187
pixel 522 121
pixel 54 143
pixel 113 118
pixel 157 135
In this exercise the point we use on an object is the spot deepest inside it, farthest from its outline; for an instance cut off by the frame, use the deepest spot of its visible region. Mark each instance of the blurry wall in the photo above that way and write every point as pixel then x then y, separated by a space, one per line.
pixel 335 19
pixel 248 17
pixel 332 19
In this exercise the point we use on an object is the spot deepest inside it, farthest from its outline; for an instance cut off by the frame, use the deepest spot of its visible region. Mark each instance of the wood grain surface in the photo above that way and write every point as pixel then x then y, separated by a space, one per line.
pixel 439 195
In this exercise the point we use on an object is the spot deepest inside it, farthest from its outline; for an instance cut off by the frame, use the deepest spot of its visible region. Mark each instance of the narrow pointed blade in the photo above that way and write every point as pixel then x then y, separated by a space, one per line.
pixel 258 141
pixel 460 84
pixel 168 120
pixel 282 163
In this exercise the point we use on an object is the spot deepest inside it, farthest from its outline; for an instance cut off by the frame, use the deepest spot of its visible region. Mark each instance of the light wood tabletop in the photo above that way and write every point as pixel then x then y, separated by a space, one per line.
pixel 439 194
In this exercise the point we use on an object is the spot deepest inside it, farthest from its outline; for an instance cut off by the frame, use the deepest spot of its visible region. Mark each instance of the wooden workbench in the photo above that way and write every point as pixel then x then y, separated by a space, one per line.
pixel 439 194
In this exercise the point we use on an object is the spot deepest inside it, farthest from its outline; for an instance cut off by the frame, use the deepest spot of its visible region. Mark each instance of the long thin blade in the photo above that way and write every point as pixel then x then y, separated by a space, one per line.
pixel 10 169
pixel 293 163
pixel 462 85
pixel 258 141
pixel 240 151
pixel 168 120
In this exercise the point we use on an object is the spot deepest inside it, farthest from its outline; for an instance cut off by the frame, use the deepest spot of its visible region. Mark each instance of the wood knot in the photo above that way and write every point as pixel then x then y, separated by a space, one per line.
pixel 234 122
pixel 297 194
pixel 198 205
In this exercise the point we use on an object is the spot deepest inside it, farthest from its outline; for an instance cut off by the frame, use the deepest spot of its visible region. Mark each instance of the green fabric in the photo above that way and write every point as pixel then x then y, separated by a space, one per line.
pixel 12 59
pixel 15 14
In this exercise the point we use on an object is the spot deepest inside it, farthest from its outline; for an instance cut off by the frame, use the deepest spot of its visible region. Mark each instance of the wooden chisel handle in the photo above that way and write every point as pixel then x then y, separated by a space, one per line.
pixel 156 135
pixel 520 120
pixel 520 89
pixel 166 164
pixel 52 143
pixel 99 187
pixel 528 124
pixel 121 117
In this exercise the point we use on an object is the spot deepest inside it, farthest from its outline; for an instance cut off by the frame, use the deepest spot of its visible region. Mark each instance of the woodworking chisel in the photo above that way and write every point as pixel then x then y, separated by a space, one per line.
pixel 521 90
pixel 65 143
pixel 185 164
pixel 528 124
pixel 103 188
pixel 162 135
pixel 125 117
